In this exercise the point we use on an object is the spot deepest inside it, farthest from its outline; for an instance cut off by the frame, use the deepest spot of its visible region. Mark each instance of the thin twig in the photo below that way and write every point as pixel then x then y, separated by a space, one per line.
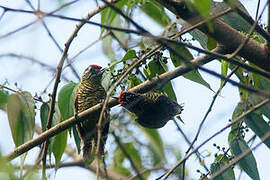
pixel 210 108
pixel 238 119
pixel 72 59
pixel 18 29
pixel 239 157
pixel 249 19
pixel 141 88
pixel 2 14
pixel 84 21
pixel 18 91
pixel 189 143
pixel 162 40
pixel 78 161
pixel 59 70
pixel 47 66
pixel 52 37
pixel 31 23
pixel 143 31
pixel 250 31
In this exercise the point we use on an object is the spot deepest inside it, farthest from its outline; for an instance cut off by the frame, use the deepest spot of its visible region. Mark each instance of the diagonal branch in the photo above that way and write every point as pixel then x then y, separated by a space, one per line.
pixel 59 70
pixel 52 37
pixel 78 161
pixel 239 157
pixel 238 119
pixel 224 34
pixel 144 87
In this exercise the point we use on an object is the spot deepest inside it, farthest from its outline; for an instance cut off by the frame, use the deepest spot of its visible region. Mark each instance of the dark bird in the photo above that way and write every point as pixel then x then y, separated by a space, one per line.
pixel 89 93
pixel 153 110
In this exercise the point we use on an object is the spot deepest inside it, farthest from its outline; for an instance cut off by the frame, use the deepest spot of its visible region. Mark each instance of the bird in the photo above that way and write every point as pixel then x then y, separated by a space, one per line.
pixel 153 110
pixel 89 93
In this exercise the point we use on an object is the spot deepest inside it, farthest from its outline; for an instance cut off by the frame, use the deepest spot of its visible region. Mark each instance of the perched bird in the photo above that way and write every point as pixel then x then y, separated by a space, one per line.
pixel 153 110
pixel 89 93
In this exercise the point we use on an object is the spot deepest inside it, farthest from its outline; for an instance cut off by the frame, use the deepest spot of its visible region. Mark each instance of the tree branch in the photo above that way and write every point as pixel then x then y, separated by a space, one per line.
pixel 144 87
pixel 238 119
pixel 224 34
pixel 59 70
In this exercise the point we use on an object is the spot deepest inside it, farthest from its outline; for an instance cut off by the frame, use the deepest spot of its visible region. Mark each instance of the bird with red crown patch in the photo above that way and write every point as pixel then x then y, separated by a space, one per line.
pixel 89 93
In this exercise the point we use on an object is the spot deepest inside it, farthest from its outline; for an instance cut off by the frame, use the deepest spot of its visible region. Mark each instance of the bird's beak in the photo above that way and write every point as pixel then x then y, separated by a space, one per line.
pixel 179 118
pixel 115 98
pixel 103 70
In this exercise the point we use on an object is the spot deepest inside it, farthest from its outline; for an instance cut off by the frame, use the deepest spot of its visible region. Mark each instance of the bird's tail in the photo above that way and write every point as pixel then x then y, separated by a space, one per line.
pixel 88 151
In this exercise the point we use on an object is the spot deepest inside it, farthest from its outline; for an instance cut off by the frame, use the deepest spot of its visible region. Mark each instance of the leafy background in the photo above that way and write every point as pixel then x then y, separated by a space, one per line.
pixel 34 78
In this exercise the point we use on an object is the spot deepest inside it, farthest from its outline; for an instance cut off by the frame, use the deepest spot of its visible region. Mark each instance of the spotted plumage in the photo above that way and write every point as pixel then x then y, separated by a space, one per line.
pixel 89 93
pixel 153 110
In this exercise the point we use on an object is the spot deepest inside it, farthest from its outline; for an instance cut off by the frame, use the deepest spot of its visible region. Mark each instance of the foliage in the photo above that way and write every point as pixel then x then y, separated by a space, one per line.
pixel 147 148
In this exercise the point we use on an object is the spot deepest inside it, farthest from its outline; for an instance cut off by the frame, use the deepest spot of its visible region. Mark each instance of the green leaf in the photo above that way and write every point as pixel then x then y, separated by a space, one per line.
pixel 254 121
pixel 66 100
pixel 134 154
pixel 130 54
pixel 133 81
pixel 7 169
pixel 3 97
pixel 108 14
pixel 119 158
pixel 224 71
pixel 203 6
pixel 178 156
pixel 117 164
pixel 21 117
pixel 264 84
pixel 194 75
pixel 107 47
pixel 255 99
pixel 232 19
pixel 156 144
pixel 44 113
pixel 200 37
pixel 77 139
pixel 258 125
pixel 155 68
pixel 122 37
pixel 238 111
pixel 59 142
pixel 211 43
pixel 218 164
pixel 74 130
pixel 59 146
pixel 155 11
pixel 248 163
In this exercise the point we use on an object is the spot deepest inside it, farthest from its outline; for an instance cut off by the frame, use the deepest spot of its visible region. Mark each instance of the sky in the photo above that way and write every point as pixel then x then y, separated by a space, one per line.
pixel 34 42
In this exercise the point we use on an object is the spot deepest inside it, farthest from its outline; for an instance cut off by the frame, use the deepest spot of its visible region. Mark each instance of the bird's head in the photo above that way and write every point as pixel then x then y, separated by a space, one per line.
pixel 128 98
pixel 93 72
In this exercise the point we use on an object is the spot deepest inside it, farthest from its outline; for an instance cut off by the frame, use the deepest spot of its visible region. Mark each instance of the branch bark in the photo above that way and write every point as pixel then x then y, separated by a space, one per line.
pixel 78 161
pixel 224 34
pixel 144 87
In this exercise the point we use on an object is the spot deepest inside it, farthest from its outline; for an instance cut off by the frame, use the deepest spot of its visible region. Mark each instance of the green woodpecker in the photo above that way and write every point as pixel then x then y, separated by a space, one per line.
pixel 89 93
pixel 153 110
